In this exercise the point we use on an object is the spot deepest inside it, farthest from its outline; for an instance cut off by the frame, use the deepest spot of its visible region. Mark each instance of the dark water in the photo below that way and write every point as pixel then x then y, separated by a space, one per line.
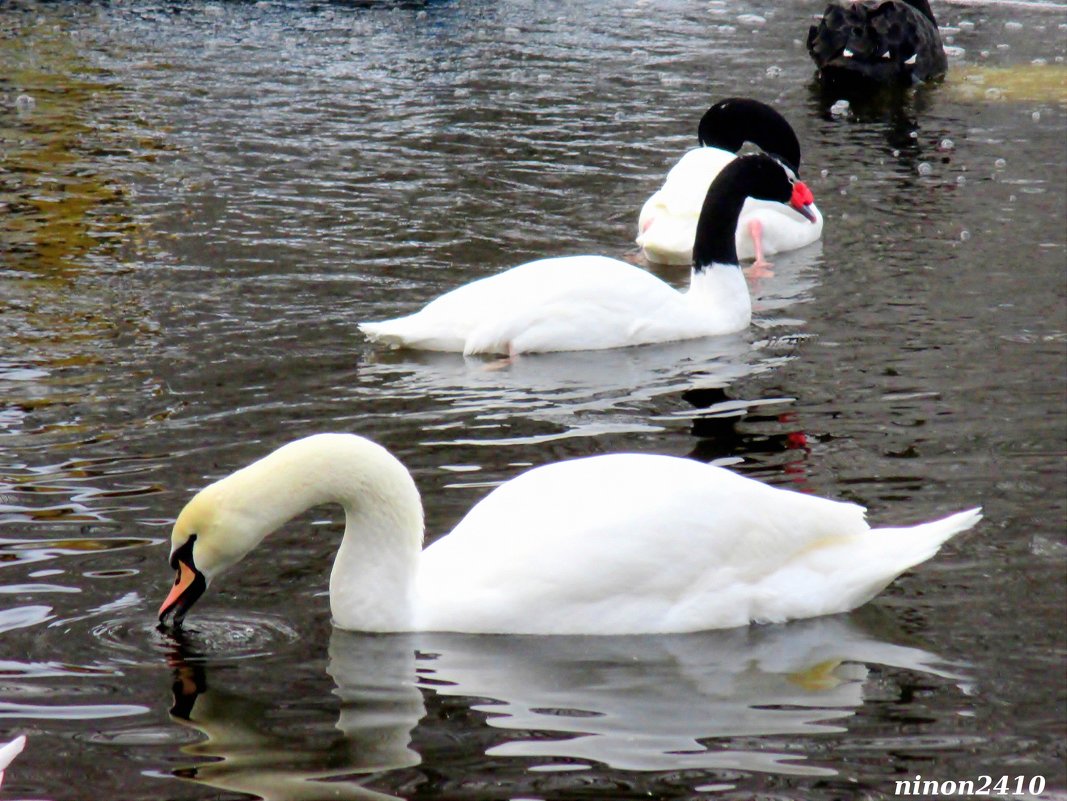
pixel 201 201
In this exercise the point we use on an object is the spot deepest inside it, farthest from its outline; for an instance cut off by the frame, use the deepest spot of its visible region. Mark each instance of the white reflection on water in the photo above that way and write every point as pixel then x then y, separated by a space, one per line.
pixel 646 703
pixel 632 703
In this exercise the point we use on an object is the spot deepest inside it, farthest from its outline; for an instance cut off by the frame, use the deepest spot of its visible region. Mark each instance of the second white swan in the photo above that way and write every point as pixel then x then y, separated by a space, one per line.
pixel 593 302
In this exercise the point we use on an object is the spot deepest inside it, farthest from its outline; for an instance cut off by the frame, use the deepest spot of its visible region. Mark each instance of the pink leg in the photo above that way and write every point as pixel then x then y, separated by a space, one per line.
pixel 760 267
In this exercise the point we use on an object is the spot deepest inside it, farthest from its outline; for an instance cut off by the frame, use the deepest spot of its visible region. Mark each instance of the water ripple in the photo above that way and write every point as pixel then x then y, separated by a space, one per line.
pixel 211 636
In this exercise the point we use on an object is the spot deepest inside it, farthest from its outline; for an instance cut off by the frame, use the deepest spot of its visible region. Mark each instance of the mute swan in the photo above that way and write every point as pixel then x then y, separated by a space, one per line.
pixel 617 544
pixel 593 302
pixel 8 752
pixel 879 42
pixel 668 220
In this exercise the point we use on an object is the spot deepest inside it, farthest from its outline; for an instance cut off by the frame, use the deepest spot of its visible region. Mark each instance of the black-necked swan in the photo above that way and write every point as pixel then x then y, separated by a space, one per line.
pixel 889 42
pixel 594 302
pixel 615 544
pixel 668 221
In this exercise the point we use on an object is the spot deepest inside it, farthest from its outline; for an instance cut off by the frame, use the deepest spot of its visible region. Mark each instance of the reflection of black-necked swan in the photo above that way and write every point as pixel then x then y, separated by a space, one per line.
pixel 617 544
pixel 593 302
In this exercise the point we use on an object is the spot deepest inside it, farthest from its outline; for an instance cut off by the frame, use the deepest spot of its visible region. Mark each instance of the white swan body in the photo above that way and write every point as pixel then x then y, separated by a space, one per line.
pixel 572 303
pixel 593 302
pixel 668 221
pixel 618 544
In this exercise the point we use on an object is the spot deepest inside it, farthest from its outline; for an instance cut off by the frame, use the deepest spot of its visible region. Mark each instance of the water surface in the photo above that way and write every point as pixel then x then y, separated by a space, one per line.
pixel 201 202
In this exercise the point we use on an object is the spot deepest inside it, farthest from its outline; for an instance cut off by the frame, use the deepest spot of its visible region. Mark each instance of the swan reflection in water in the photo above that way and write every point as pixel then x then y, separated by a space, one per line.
pixel 639 703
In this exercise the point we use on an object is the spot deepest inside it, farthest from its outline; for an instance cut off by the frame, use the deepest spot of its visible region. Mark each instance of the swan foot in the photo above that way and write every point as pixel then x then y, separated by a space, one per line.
pixel 761 267
pixel 818 678
pixel 504 362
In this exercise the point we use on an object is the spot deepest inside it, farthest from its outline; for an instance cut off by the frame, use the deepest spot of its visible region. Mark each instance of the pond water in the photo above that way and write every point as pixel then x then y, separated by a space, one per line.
pixel 201 200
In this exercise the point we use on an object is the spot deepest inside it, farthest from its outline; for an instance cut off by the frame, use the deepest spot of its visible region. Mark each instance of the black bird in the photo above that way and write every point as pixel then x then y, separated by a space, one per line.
pixel 888 42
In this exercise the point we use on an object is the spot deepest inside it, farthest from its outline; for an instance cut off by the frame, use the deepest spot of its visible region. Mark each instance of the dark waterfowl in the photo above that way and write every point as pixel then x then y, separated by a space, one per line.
pixel 888 42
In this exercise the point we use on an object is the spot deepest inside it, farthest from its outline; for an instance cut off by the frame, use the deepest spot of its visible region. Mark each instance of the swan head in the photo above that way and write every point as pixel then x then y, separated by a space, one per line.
pixel 759 176
pixel 768 177
pixel 228 519
pixel 205 541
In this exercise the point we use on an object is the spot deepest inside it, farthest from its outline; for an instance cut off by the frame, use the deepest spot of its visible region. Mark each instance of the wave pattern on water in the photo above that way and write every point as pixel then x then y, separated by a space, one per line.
pixel 202 199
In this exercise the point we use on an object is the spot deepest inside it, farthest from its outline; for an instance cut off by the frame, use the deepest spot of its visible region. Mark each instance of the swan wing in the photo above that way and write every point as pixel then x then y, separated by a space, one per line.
pixel 569 303
pixel 687 183
pixel 623 544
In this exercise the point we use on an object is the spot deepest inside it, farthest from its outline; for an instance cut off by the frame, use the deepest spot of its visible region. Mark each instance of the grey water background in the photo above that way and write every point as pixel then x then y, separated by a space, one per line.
pixel 201 200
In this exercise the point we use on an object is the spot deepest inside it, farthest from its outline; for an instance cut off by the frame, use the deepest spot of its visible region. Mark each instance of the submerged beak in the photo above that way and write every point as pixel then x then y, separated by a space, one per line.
pixel 802 201
pixel 189 585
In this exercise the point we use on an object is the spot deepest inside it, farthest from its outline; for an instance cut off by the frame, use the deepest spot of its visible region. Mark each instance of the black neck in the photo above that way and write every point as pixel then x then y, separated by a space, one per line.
pixel 714 243
pixel 732 122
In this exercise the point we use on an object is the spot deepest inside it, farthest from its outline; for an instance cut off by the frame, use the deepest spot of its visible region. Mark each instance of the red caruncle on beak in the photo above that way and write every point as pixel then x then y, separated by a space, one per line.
pixel 802 200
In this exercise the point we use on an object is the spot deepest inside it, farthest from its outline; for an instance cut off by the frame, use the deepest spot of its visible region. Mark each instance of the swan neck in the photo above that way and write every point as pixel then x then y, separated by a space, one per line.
pixel 722 288
pixel 714 242
pixel 923 7
pixel 373 572
pixel 736 120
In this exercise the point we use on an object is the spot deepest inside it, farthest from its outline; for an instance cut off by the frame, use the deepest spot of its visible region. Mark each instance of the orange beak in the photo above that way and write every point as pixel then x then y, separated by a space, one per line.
pixel 802 201
pixel 189 584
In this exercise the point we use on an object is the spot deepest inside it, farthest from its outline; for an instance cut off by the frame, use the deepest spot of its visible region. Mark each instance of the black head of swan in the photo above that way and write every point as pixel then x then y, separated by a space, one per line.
pixel 733 121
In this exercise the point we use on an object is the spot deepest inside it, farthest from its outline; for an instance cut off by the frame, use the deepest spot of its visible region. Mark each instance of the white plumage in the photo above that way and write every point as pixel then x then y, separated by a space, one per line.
pixel 8 752
pixel 668 221
pixel 617 544
pixel 593 302
pixel 571 303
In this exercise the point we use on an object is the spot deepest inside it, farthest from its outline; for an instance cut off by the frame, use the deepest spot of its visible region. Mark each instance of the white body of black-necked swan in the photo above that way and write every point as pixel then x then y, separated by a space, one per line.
pixel 879 42
pixel 615 544
pixel 594 302
pixel 668 221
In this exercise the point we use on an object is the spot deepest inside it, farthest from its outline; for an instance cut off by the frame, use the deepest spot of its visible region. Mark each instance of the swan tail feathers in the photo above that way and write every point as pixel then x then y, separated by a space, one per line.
pixel 886 553
pixel 405 332
pixel 10 750
pixel 843 573
pixel 915 544
pixel 380 332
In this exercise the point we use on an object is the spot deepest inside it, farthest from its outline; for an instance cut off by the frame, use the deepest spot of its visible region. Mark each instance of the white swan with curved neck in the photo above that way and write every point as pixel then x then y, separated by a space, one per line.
pixel 618 544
